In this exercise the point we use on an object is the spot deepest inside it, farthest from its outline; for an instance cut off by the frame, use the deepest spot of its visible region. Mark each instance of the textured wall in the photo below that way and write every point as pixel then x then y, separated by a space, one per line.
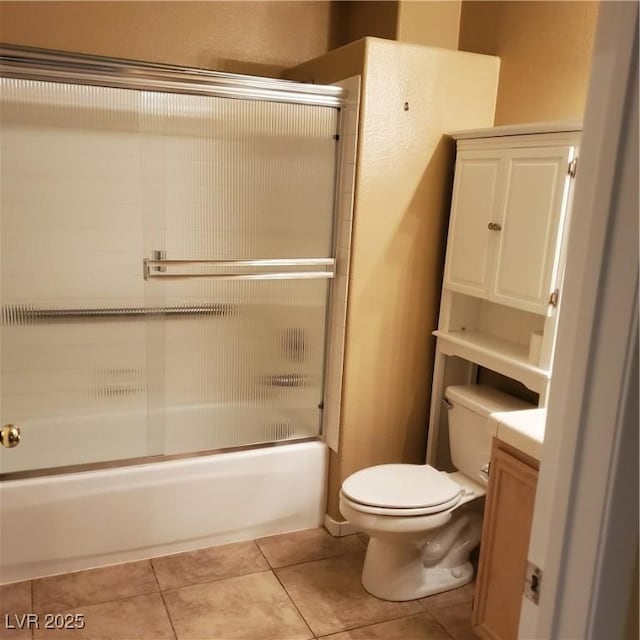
pixel 429 22
pixel 432 23
pixel 363 18
pixel 545 53
pixel 403 187
pixel 244 37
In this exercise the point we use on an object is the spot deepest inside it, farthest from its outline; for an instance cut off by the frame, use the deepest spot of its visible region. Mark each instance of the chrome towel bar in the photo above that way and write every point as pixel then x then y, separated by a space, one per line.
pixel 157 268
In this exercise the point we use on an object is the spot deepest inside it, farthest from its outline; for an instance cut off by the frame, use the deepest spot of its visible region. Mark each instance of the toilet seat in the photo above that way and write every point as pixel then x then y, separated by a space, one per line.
pixel 401 490
pixel 400 513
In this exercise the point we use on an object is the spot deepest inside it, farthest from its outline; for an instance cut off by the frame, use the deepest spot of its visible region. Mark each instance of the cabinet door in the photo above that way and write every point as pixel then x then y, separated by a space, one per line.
pixel 536 187
pixel 504 547
pixel 476 189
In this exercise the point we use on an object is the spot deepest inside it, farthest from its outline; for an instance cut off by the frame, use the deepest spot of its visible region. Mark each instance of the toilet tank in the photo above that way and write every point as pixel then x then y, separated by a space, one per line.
pixel 469 436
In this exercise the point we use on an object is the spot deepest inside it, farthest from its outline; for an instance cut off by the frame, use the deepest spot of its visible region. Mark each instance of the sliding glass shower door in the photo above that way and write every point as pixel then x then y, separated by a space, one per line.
pixel 239 209
pixel 166 262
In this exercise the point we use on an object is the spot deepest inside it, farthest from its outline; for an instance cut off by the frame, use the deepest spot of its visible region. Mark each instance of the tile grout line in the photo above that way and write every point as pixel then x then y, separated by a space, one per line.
pixel 436 621
pixel 164 602
pixel 409 615
pixel 371 624
pixel 313 633
pixel 421 606
pixel 442 624
pixel 261 552
pixel 100 602
pixel 215 580
pixel 299 564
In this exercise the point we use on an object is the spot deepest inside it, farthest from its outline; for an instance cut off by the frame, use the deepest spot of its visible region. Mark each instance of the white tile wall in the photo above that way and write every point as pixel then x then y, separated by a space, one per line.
pixel 344 217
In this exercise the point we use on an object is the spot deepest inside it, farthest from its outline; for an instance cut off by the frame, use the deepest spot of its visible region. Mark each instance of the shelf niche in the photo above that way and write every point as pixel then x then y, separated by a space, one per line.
pixel 496 337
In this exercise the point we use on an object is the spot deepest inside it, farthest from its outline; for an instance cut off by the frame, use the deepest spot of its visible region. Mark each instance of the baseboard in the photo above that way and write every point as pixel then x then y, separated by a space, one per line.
pixel 338 528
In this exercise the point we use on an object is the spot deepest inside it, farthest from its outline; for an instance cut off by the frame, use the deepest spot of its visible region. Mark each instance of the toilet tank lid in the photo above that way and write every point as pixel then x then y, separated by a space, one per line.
pixel 485 400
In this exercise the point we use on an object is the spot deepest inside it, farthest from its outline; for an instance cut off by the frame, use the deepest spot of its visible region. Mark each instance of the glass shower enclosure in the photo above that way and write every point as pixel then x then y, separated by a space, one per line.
pixel 166 259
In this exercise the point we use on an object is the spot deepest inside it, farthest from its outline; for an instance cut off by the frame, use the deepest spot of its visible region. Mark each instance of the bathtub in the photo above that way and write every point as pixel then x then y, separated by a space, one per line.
pixel 67 522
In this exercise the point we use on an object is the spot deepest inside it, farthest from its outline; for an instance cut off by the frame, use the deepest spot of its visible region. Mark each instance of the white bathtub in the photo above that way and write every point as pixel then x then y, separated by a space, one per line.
pixel 74 521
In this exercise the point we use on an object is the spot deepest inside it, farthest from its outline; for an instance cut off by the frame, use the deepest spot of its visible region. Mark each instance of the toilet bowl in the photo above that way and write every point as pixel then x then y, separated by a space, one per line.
pixel 421 524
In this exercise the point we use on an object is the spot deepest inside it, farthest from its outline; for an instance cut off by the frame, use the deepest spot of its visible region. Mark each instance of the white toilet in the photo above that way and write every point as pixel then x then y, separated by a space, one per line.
pixel 420 533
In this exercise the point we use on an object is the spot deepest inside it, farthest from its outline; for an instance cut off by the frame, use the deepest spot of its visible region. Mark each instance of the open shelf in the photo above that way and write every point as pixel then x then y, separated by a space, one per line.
pixel 505 357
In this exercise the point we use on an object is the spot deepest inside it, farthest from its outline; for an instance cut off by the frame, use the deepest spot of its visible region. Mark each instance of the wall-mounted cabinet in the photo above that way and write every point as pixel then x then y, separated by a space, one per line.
pixel 504 262
pixel 506 212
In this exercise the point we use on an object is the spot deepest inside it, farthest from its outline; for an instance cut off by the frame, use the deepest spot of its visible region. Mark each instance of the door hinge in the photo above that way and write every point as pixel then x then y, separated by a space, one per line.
pixel 554 297
pixel 533 583
pixel 573 166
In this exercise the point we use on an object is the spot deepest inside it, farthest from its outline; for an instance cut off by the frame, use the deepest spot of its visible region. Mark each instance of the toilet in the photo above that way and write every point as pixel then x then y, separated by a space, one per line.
pixel 421 524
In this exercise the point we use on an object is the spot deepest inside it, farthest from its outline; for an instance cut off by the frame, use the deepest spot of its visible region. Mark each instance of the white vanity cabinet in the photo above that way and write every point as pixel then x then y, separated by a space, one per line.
pixel 507 208
pixel 504 262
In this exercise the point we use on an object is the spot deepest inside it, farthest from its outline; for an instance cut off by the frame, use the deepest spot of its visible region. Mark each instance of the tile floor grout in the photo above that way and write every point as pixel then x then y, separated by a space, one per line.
pixel 96 602
pixel 297 564
pixel 313 635
pixel 272 570
pixel 410 615
pixel 404 615
pixel 324 548
pixel 164 603
pixel 311 631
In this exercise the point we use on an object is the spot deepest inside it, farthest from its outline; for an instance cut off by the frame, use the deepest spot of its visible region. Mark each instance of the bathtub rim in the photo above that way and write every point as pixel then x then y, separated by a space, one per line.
pixel 31 474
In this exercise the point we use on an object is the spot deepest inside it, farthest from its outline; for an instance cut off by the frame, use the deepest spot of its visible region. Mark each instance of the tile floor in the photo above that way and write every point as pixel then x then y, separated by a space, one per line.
pixel 287 587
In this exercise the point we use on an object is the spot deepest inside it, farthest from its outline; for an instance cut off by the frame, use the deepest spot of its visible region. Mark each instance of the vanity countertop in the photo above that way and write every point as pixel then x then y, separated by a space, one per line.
pixel 523 430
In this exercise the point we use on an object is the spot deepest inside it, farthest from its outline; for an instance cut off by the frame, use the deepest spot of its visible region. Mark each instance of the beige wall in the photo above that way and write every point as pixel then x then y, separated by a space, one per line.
pixel 249 37
pixel 431 23
pixel 363 18
pixel 403 187
pixel 545 53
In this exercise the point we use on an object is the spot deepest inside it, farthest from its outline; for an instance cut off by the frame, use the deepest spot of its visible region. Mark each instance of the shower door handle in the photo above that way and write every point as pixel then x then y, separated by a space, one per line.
pixel 235 269
pixel 10 436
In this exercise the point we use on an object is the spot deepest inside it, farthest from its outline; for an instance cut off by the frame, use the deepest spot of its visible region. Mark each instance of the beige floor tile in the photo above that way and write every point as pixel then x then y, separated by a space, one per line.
pixel 456 620
pixel 331 598
pixel 142 618
pixel 455 596
pixel 253 607
pixel 420 627
pixel 15 600
pixel 73 590
pixel 304 546
pixel 207 565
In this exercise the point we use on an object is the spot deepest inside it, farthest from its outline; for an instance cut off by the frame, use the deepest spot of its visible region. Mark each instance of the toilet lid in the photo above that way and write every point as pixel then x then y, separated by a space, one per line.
pixel 403 513
pixel 400 486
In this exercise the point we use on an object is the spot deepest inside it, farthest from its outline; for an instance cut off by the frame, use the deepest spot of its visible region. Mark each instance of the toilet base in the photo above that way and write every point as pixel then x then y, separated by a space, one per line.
pixel 400 572
pixel 396 573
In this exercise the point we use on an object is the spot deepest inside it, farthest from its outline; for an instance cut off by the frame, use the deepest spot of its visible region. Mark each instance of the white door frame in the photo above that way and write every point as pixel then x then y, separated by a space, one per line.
pixel 585 526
